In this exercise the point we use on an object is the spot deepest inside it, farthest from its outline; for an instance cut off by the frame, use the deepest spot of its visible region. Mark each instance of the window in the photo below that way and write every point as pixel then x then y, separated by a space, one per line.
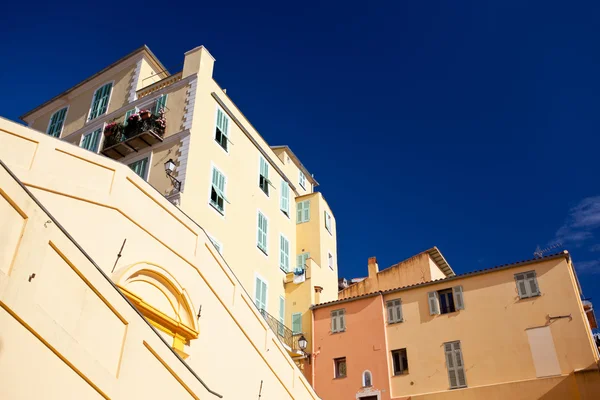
pixel 339 365
pixel 140 167
pixel 302 180
pixel 446 301
pixel 400 361
pixel 328 222
pixel 100 101
pixel 455 365
pixel 527 284
pixel 303 212
pixel 262 232
pixel 330 260
pixel 57 121
pixel 338 321
pixel 284 201
pixel 301 260
pixel 129 114
pixel 263 178
pixel 367 380
pixel 297 323
pixel 161 104
pixel 394 311
pixel 260 293
pixel 281 327
pixel 90 140
pixel 284 254
pixel 222 129
pixel 217 192
pixel 217 244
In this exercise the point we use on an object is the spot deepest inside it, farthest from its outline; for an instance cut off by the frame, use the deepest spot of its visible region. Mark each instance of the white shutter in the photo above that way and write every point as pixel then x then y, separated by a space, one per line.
pixel 521 287
pixel 299 212
pixel 334 321
pixel 390 309
pixel 459 302
pixel 451 365
pixel 434 303
pixel 532 282
pixel 284 203
pixel 460 369
pixel 398 307
pixel 342 318
pixel 306 211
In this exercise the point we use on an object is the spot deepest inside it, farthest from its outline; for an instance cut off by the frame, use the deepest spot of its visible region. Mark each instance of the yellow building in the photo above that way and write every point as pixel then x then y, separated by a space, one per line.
pixel 256 202
pixel 517 331
pixel 109 291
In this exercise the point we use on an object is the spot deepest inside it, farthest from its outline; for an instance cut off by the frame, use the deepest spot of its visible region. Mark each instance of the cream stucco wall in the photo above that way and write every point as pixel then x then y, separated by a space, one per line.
pixel 85 336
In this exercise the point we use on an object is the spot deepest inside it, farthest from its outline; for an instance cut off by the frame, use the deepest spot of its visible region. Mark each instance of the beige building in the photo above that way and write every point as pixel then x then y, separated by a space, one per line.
pixel 109 291
pixel 256 202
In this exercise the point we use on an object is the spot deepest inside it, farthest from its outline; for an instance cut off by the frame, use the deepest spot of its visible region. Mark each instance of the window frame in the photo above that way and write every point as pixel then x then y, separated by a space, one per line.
pixel 455 368
pixel 527 284
pixel 302 210
pixel 328 222
pixel 364 380
pixel 62 126
pixel 396 305
pixel 399 369
pixel 210 189
pixel 258 277
pixel 139 158
pixel 100 137
pixel 265 179
pixel 456 301
pixel 265 251
pixel 226 148
pixel 336 368
pixel 285 185
pixel 294 332
pixel 302 179
pixel 112 89
pixel 281 253
pixel 340 316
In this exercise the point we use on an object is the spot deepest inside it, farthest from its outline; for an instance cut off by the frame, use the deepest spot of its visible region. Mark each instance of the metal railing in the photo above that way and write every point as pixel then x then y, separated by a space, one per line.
pixel 285 334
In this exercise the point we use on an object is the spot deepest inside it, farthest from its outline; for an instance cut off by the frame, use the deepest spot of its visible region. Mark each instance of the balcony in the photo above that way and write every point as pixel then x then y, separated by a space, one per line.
pixel 141 130
pixel 288 338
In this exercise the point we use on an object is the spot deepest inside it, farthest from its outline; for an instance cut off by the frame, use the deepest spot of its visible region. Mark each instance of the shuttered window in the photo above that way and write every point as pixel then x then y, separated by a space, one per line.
pixel 434 303
pixel 297 323
pixel 303 211
pixel 455 365
pixel 281 327
pixel 302 180
pixel 222 129
pixel 217 193
pixel 129 114
pixel 330 260
pixel 527 284
pixel 338 321
pixel 284 201
pixel 459 302
pixel 140 167
pixel 161 104
pixel 260 294
pixel 400 361
pixel 262 232
pixel 301 260
pixel 263 176
pixel 394 311
pixel 91 140
pixel 328 222
pixel 284 254
pixel 57 120
pixel 100 101
pixel 446 301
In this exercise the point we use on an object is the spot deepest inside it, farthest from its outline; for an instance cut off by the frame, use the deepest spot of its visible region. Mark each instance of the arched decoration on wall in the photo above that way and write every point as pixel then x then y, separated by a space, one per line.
pixel 367 379
pixel 162 300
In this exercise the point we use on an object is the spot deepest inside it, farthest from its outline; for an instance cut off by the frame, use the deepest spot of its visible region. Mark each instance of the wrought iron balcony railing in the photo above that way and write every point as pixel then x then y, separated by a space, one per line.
pixel 285 334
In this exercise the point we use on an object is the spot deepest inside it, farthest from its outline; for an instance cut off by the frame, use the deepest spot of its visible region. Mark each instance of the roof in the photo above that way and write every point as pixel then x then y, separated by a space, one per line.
pixel 562 254
pixel 440 261
pixel 296 161
pixel 144 48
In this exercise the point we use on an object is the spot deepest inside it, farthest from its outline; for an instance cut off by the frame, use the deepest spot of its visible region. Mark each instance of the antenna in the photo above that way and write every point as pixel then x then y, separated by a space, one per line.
pixel 539 252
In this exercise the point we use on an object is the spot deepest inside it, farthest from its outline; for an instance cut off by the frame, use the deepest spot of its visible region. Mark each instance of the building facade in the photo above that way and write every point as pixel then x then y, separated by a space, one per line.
pixel 256 202
pixel 518 331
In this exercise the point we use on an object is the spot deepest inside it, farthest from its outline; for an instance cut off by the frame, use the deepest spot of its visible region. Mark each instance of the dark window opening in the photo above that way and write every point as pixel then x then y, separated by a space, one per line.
pixel 400 360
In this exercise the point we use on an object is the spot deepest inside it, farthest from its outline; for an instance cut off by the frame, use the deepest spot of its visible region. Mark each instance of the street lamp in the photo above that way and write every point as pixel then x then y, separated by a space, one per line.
pixel 169 169
pixel 302 343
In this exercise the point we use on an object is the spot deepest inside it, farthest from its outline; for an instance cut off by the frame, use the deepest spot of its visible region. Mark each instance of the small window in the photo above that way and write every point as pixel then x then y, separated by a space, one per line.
pixel 527 284
pixel 297 323
pixel 57 121
pixel 100 101
pixel 303 212
pixel 455 365
pixel 222 129
pixel 339 367
pixel 367 379
pixel 330 260
pixel 400 361
pixel 328 222
pixel 302 180
pixel 284 201
pixel 262 232
pixel 284 254
pixel 446 301
pixel 217 191
pixel 90 140
pixel 338 321
pixel 394 311
pixel 261 294
pixel 301 260
pixel 140 167
pixel 263 178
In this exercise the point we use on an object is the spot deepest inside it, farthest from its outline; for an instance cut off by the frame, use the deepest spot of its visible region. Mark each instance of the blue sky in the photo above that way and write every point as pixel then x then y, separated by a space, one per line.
pixel 469 126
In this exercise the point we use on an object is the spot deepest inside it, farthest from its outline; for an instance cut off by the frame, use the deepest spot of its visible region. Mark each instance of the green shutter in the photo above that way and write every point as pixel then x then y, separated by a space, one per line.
pixel 306 216
pixel 140 167
pixel 160 103
pixel 100 101
pixel 284 254
pixel 257 294
pixel 284 202
pixel 297 323
pixel 299 212
pixel 222 122
pixel 128 114
pixel 262 232
pixel 90 141
pixel 56 122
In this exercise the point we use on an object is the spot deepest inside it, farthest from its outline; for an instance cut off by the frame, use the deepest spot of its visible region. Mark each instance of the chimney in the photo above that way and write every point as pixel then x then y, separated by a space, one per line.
pixel 373 267
pixel 198 60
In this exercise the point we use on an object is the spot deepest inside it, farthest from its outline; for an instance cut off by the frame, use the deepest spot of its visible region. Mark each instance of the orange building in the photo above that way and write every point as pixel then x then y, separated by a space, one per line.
pixel 516 331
